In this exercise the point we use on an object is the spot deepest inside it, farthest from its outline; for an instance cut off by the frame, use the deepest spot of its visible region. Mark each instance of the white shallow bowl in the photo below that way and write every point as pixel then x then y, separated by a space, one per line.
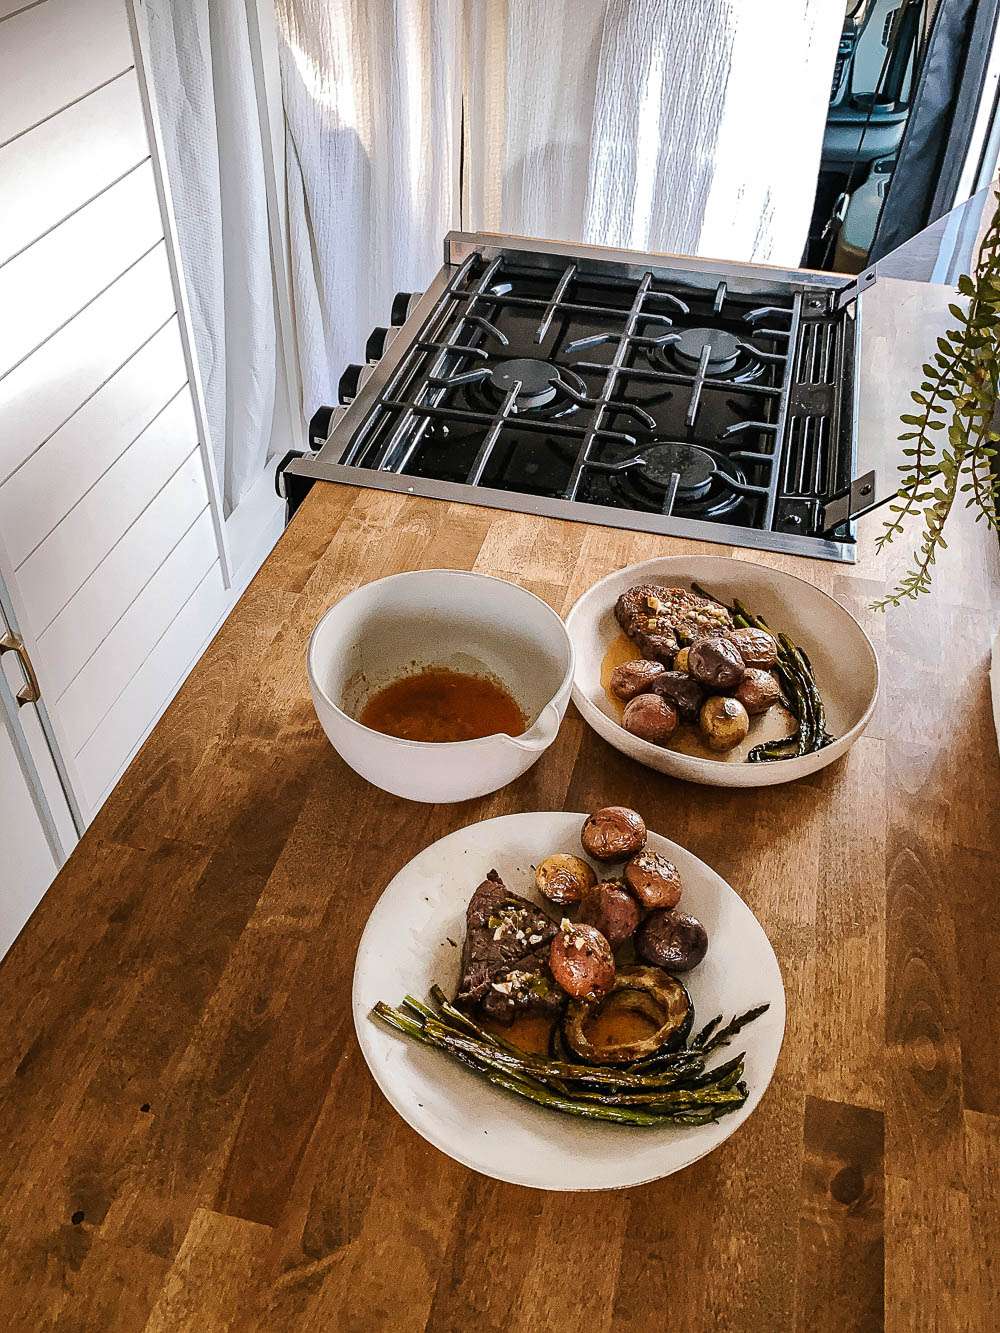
pixel 444 618
pixel 405 949
pixel 842 657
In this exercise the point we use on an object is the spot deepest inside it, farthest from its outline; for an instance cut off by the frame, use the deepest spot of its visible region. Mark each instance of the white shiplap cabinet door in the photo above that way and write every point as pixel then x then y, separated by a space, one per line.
pixel 105 595
pixel 112 541
pixel 94 143
pixel 55 53
pixel 36 823
pixel 55 278
pixel 47 389
pixel 74 459
pixel 29 861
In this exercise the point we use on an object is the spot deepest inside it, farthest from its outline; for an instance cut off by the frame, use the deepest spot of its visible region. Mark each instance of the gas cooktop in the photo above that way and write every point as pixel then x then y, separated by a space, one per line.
pixel 670 395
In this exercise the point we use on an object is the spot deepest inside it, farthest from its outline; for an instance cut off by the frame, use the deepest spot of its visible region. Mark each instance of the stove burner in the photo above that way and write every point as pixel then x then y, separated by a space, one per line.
pixel 694 466
pixel 703 490
pixel 729 357
pixel 724 350
pixel 539 380
pixel 544 388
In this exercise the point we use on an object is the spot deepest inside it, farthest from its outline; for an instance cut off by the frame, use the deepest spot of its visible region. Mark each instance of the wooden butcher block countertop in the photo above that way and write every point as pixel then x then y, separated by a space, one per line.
pixel 191 1138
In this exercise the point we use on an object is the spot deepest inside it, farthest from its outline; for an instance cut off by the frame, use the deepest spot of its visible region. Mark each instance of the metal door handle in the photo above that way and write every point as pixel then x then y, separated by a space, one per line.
pixel 29 693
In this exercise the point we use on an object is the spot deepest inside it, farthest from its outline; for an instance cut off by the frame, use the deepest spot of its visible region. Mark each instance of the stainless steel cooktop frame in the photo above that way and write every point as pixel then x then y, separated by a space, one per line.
pixel 819 291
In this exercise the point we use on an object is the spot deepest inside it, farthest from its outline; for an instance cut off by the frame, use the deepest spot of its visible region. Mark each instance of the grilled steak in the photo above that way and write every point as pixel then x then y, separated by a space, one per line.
pixel 502 932
pixel 633 609
pixel 526 988
pixel 661 620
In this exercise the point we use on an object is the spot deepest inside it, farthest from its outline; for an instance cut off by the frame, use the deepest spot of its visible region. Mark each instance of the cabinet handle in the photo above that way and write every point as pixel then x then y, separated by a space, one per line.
pixel 29 693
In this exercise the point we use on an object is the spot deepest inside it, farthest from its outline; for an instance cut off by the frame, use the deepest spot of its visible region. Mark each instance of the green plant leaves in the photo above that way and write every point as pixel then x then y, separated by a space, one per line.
pixel 959 391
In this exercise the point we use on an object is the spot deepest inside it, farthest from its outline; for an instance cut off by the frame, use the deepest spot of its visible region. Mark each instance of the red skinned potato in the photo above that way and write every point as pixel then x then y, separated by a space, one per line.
pixel 613 833
pixel 581 961
pixel 651 718
pixel 612 910
pixel 632 678
pixel 716 664
pixel 755 646
pixel 675 941
pixel 563 879
pixel 653 879
pixel 757 691
pixel 682 690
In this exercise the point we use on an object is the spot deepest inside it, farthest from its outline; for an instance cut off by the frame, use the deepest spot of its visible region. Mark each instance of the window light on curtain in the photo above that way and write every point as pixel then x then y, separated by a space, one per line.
pixel 690 126
pixel 673 125
pixel 372 93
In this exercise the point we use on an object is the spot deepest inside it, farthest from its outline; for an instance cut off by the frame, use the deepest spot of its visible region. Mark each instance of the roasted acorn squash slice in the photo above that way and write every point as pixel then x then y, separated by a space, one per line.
pixel 653 993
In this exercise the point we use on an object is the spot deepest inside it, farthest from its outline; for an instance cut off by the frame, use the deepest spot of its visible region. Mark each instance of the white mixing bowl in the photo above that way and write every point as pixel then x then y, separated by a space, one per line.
pixel 448 618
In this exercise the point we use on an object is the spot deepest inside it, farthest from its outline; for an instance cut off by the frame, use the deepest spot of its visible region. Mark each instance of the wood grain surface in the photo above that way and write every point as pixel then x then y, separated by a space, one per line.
pixel 192 1140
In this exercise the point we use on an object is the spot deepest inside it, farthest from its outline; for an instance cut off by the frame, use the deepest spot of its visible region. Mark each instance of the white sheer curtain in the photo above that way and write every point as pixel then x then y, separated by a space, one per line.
pixel 674 125
pixel 372 93
pixel 691 126
pixel 204 83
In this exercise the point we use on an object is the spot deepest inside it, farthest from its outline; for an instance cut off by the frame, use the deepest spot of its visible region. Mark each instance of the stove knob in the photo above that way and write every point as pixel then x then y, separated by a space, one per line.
pixel 402 307
pixel 325 421
pixel 350 384
pixel 320 425
pixel 378 341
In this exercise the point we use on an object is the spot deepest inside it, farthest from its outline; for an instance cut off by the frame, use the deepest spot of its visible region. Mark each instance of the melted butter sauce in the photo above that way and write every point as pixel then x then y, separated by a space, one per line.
pixel 441 705
pixel 614 1023
pixel 773 725
pixel 529 1034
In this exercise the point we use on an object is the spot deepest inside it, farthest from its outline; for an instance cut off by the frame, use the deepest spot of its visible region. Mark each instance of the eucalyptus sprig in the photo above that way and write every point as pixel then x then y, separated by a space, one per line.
pixel 957 405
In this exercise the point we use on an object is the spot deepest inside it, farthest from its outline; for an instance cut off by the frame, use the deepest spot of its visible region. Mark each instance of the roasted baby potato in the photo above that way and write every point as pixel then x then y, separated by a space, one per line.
pixel 757 691
pixel 632 678
pixel 755 646
pixel 610 908
pixel 563 879
pixel 716 663
pixel 682 690
pixel 672 940
pixel 653 879
pixel 651 718
pixel 613 833
pixel 581 961
pixel 681 659
pixel 723 721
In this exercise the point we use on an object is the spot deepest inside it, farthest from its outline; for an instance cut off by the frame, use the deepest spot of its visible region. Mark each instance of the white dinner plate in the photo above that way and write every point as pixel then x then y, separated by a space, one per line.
pixel 413 939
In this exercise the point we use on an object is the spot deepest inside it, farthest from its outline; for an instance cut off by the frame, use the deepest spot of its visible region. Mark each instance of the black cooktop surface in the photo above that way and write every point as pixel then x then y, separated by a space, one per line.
pixel 651 395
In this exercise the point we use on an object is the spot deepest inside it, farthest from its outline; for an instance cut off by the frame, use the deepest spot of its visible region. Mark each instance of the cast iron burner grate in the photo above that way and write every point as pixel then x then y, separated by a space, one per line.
pixel 656 392
pixel 693 467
